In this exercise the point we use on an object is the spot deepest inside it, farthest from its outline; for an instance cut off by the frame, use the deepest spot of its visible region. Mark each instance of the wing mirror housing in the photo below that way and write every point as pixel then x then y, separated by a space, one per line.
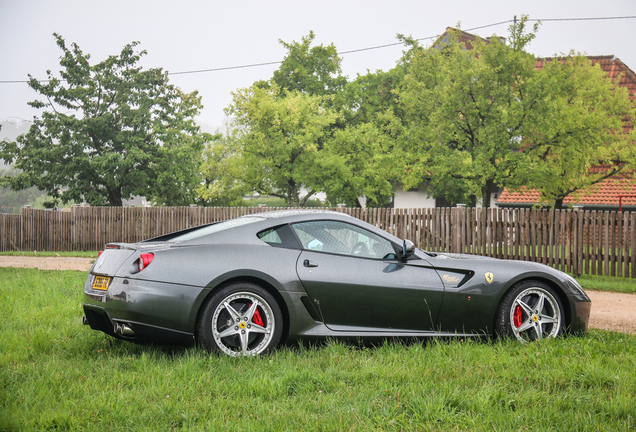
pixel 408 249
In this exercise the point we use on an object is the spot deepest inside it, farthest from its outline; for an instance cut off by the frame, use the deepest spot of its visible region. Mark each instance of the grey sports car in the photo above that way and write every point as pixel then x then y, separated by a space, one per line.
pixel 246 285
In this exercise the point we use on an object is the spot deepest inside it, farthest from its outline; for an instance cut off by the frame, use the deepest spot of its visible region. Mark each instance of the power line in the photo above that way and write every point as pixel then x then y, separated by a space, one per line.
pixel 584 19
pixel 368 48
pixel 224 68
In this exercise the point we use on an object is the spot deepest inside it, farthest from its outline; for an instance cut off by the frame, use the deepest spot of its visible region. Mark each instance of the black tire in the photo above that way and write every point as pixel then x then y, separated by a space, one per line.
pixel 530 311
pixel 241 319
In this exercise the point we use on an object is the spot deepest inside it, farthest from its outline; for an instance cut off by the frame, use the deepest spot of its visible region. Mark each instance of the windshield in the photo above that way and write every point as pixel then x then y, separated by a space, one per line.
pixel 214 228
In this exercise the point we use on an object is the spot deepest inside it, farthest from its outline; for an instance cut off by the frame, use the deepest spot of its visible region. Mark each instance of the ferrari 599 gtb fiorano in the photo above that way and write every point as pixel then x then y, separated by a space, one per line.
pixel 246 285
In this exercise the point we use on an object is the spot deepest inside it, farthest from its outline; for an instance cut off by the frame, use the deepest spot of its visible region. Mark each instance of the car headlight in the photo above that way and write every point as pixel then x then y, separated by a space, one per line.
pixel 576 288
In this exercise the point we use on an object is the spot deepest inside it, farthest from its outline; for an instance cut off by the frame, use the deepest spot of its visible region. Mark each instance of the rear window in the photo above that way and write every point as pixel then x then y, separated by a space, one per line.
pixel 214 228
pixel 280 237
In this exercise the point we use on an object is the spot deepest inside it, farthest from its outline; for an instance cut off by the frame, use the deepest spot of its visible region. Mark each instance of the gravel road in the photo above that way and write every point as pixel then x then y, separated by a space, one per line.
pixel 610 311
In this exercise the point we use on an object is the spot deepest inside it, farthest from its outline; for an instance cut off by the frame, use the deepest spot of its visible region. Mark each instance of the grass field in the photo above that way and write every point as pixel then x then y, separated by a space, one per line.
pixel 56 374
pixel 608 283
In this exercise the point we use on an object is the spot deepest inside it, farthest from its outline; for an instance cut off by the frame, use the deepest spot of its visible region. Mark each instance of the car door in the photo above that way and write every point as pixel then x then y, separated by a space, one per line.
pixel 355 280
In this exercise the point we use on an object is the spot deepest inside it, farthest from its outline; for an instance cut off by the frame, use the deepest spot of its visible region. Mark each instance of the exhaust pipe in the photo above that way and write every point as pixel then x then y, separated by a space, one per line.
pixel 123 330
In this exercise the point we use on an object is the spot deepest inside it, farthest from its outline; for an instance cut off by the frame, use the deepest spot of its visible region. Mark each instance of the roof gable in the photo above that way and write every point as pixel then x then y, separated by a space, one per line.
pixel 452 34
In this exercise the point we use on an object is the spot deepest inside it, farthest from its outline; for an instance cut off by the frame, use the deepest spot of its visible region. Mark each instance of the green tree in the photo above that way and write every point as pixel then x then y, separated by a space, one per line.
pixel 281 142
pixel 464 115
pixel 583 137
pixel 222 174
pixel 289 137
pixel 476 120
pixel 359 168
pixel 373 121
pixel 369 95
pixel 12 201
pixel 313 70
pixel 109 131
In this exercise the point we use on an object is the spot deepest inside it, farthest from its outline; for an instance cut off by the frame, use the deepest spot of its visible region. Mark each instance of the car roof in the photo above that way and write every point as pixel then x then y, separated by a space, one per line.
pixel 244 233
pixel 277 214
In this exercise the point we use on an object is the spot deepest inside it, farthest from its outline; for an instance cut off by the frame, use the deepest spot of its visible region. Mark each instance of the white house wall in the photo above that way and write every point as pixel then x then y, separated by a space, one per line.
pixel 415 198
pixel 418 198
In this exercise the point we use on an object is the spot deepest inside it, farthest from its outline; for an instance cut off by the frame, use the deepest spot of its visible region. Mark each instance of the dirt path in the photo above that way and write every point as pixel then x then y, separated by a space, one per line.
pixel 610 311
pixel 613 311
pixel 47 263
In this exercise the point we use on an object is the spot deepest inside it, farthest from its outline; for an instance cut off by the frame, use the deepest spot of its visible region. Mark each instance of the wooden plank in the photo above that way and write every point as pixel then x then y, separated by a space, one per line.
pixel 619 245
pixel 612 251
pixel 626 244
pixel 600 225
pixel 633 243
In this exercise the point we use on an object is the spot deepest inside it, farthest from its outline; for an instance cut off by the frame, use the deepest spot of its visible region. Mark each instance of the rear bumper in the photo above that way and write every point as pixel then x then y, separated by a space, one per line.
pixel 99 319
pixel 150 303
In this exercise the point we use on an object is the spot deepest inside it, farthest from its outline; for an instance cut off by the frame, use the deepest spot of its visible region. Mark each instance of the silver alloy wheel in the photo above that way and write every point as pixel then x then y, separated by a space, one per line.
pixel 535 315
pixel 243 324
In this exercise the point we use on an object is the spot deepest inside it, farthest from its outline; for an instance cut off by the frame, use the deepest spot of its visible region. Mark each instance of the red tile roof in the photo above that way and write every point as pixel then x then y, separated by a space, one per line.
pixel 605 193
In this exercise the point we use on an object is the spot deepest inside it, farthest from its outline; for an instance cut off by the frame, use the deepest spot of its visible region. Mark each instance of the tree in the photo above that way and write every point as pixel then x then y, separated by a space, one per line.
pixel 480 119
pixel 583 139
pixel 312 70
pixel 360 167
pixel 465 114
pixel 370 95
pixel 281 142
pixel 109 131
pixel 288 137
pixel 12 201
pixel 222 172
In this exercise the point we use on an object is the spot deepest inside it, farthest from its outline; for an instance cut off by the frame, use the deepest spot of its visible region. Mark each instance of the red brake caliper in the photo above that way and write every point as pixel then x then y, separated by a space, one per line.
pixel 517 316
pixel 256 319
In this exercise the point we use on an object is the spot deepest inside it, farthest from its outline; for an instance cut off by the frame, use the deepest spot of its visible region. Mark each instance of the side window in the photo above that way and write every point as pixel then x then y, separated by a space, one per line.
pixel 341 238
pixel 270 236
pixel 280 236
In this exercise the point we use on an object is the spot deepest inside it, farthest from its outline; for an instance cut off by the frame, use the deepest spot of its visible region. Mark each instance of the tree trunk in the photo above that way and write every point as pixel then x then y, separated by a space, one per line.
pixel 114 197
pixel 486 192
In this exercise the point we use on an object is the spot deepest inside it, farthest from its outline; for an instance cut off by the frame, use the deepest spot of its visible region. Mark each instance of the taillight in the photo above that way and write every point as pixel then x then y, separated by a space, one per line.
pixel 145 260
pixel 108 246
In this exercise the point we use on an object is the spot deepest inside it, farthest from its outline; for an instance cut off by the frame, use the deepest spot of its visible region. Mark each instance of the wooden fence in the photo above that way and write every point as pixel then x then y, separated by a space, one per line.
pixel 579 242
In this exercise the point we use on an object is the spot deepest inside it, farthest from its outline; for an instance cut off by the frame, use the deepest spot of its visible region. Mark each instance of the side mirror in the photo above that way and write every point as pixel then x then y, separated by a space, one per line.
pixel 408 249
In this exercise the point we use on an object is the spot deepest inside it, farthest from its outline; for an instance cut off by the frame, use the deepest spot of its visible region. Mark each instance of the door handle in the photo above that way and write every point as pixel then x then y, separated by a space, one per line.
pixel 308 263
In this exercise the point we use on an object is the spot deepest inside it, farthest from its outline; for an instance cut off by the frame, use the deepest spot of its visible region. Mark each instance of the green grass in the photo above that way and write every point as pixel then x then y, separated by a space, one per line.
pixel 608 283
pixel 57 374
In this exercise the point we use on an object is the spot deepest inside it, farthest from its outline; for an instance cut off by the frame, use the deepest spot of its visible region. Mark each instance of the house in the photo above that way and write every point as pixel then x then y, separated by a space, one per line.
pixel 608 194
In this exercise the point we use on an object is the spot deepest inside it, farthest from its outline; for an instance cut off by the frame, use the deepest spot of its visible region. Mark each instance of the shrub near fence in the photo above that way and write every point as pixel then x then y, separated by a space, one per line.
pixel 579 242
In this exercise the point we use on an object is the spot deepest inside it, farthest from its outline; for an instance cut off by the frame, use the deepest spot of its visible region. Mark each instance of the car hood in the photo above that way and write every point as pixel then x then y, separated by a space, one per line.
pixel 463 256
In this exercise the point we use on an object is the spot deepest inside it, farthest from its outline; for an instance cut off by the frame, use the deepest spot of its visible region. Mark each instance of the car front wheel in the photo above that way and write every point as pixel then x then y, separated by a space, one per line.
pixel 530 311
pixel 240 320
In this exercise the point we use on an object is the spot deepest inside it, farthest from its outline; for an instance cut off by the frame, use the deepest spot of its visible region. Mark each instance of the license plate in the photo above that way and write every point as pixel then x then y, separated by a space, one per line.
pixel 101 283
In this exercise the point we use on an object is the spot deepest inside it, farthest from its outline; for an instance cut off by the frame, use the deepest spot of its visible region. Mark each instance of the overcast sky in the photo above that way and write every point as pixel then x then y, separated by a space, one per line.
pixel 194 35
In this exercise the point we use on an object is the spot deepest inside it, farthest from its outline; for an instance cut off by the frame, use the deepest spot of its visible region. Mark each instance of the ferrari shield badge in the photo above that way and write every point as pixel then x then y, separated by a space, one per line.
pixel 489 277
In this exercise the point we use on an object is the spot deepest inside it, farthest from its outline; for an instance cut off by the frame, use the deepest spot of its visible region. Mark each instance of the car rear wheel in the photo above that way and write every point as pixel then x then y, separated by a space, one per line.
pixel 530 311
pixel 240 320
